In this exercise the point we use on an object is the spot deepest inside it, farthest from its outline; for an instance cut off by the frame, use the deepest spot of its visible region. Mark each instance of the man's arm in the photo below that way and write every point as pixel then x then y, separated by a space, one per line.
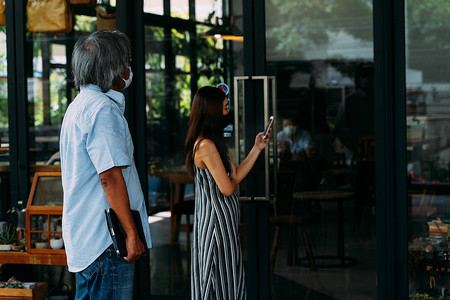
pixel 116 193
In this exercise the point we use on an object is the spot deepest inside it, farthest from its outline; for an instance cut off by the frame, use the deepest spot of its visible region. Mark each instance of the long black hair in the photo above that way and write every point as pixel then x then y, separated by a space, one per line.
pixel 206 121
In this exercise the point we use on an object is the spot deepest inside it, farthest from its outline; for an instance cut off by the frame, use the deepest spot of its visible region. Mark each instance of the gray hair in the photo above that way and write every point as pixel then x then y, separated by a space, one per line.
pixel 101 58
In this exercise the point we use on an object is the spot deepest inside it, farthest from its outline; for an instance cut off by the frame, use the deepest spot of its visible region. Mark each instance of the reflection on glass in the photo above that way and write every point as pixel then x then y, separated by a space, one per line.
pixel 324 216
pixel 46 95
pixel 3 88
pixel 170 76
pixel 211 60
pixel 3 91
pixel 50 88
pixel 180 42
pixel 428 151
pixel 4 125
pixel 168 82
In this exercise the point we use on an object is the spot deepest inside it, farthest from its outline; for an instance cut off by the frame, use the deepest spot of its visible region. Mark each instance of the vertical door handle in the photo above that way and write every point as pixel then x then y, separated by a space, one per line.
pixel 269 83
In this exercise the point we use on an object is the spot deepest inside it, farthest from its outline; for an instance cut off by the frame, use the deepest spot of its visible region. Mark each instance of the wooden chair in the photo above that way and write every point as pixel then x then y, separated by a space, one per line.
pixel 289 214
pixel 180 206
pixel 292 222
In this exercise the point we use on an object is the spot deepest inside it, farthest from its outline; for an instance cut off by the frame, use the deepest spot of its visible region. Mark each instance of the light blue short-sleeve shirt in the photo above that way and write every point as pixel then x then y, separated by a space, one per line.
pixel 94 138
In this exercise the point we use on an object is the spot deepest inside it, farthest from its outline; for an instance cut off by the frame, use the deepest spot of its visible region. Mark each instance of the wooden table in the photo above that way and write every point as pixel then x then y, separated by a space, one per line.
pixel 338 197
pixel 14 257
pixel 36 168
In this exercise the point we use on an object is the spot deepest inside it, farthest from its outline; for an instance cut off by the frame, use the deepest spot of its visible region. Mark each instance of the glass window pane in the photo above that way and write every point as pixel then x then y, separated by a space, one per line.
pixel 3 94
pixel 46 96
pixel 50 89
pixel 428 151
pixel 179 9
pixel 4 125
pixel 168 81
pixel 154 7
pixel 210 60
pixel 180 44
pixel 322 57
pixel 208 10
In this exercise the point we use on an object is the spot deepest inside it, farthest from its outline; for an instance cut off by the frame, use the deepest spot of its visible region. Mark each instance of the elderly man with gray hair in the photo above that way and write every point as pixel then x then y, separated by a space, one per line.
pixel 98 170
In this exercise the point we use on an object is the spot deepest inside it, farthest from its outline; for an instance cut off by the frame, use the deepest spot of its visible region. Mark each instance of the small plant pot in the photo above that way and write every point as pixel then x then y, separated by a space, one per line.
pixel 5 247
pixel 41 245
pixel 56 243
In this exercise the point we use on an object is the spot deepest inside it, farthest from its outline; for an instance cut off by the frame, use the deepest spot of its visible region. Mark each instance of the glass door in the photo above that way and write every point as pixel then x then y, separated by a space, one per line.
pixel 322 224
pixel 178 61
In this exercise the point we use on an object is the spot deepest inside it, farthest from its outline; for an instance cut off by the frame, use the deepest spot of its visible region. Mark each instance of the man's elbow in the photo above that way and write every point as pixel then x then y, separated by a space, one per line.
pixel 109 177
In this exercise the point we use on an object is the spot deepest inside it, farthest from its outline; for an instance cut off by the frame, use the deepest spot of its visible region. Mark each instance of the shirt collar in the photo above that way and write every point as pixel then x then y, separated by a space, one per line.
pixel 118 97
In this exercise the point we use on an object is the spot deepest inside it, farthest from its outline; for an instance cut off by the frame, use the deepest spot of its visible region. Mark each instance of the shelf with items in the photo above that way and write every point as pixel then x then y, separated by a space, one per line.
pixel 429 240
pixel 44 214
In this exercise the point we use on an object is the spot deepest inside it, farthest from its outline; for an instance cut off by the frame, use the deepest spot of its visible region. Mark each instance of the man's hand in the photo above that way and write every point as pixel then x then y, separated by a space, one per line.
pixel 135 248
pixel 116 193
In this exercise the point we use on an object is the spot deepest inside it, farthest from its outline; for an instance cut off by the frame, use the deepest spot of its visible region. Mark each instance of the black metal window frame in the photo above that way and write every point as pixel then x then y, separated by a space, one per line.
pixel 390 149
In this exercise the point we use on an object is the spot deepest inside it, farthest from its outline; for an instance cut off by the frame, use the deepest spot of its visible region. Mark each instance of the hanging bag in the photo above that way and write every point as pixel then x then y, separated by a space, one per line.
pixel 84 2
pixel 49 16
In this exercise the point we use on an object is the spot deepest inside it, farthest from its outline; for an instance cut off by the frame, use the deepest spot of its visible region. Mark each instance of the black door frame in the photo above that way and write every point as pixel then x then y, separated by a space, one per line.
pixel 257 212
pixel 390 149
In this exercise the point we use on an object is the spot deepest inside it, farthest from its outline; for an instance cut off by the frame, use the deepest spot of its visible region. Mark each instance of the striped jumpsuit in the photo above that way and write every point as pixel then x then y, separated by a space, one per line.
pixel 217 269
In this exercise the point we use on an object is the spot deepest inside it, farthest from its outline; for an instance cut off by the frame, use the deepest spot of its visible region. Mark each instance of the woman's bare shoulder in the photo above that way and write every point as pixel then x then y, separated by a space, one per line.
pixel 205 145
pixel 204 148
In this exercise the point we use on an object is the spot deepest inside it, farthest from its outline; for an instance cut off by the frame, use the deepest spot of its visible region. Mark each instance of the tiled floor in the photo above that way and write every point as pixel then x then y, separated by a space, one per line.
pixel 170 268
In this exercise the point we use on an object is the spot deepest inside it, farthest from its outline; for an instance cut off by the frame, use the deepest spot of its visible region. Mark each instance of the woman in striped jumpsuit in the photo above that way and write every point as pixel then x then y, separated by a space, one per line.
pixel 217 268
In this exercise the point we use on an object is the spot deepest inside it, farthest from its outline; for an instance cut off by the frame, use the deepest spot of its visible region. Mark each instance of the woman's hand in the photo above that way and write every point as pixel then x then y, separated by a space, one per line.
pixel 245 167
pixel 261 143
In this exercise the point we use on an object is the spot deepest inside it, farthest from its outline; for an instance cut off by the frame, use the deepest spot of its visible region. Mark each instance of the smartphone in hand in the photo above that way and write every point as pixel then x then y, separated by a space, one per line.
pixel 269 125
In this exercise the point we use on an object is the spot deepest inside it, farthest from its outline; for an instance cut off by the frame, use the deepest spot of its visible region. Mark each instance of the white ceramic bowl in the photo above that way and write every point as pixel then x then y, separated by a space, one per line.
pixel 41 245
pixel 56 243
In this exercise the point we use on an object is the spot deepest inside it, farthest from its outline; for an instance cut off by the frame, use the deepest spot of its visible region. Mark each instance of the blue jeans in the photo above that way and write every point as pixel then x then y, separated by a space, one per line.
pixel 108 277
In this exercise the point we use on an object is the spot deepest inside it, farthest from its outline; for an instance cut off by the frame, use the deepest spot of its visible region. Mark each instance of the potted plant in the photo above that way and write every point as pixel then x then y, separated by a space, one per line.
pixel 41 243
pixel 7 238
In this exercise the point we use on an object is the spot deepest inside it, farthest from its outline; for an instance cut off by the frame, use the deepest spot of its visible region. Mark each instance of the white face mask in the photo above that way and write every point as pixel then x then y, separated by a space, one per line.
pixel 129 80
pixel 289 130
